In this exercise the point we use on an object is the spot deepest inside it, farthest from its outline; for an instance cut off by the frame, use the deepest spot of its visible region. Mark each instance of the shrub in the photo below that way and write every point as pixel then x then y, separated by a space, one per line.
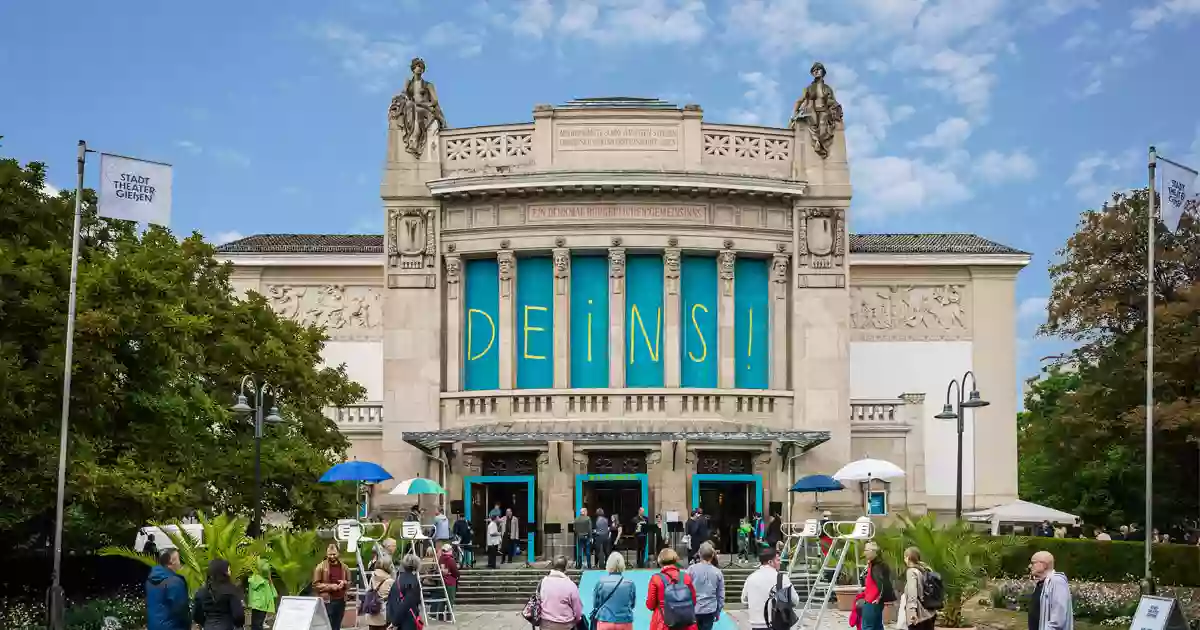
pixel 1105 561
pixel 128 609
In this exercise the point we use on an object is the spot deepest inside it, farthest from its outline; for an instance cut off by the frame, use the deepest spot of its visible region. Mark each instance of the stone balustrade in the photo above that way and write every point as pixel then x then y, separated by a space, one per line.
pixel 360 418
pixel 487 150
pixel 877 412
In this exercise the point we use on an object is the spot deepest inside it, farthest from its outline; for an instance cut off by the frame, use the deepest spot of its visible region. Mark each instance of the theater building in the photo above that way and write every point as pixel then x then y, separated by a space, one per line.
pixel 621 304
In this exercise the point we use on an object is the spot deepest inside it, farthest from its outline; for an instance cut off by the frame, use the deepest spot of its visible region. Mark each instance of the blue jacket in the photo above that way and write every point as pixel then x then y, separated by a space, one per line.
pixel 167 601
pixel 618 596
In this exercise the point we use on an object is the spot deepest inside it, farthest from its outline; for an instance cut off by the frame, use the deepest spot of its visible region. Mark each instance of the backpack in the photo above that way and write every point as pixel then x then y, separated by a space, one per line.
pixel 533 608
pixel 678 607
pixel 782 612
pixel 372 603
pixel 933 592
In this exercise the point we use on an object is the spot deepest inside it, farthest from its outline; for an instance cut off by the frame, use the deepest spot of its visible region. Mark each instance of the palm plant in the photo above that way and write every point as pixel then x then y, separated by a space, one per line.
pixel 293 556
pixel 224 538
pixel 963 557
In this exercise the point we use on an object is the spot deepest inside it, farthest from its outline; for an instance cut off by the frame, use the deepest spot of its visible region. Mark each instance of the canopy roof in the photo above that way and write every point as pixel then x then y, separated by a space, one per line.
pixel 1021 512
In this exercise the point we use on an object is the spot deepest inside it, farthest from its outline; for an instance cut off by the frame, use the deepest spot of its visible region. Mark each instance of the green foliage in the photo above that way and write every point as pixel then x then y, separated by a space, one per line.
pixel 964 557
pixel 1081 451
pixel 1106 561
pixel 127 608
pixel 161 344
pixel 224 538
pixel 293 556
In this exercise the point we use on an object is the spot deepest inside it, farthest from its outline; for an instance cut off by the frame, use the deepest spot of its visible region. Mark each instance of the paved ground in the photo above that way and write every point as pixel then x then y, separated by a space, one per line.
pixel 511 620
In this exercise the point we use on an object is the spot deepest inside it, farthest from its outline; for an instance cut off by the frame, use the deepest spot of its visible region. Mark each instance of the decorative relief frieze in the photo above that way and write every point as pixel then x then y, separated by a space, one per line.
pixel 747 146
pixel 616 268
pixel 346 312
pixel 507 264
pixel 453 276
pixel 725 264
pixel 488 147
pixel 912 313
pixel 659 212
pixel 562 270
pixel 671 269
pixel 821 242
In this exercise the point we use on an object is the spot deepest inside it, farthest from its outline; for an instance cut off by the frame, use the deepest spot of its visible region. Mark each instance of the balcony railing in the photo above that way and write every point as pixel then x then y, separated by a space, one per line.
pixel 360 418
pixel 877 414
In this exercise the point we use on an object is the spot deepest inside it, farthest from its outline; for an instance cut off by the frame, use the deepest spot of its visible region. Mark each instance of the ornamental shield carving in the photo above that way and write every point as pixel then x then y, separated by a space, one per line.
pixel 820 235
pixel 410 235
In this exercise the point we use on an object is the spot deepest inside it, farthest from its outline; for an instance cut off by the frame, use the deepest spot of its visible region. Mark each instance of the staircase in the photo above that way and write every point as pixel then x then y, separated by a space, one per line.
pixel 510 588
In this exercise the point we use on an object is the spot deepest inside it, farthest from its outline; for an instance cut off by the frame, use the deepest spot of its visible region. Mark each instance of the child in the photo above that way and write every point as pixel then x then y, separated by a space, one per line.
pixel 261 598
pixel 743 540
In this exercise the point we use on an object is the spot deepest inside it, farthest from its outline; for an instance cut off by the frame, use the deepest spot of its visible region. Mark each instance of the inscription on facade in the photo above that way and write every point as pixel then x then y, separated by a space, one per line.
pixel 617 138
pixel 675 213
pixel 917 313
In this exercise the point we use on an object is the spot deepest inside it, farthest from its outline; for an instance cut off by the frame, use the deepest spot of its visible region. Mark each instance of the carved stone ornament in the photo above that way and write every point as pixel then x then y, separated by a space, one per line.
pixel 761 462
pixel 779 275
pixel 821 244
pixel 346 312
pixel 543 460
pixel 560 241
pixel 453 276
pixel 616 268
pixel 505 261
pixel 471 463
pixel 909 313
pixel 818 107
pixel 411 238
pixel 671 257
pixel 654 458
pixel 581 462
pixel 415 109
pixel 725 265
pixel 562 270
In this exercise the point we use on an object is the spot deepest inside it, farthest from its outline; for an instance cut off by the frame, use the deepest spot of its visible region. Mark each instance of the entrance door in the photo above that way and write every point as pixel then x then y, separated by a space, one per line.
pixel 726 503
pixel 620 499
pixel 487 497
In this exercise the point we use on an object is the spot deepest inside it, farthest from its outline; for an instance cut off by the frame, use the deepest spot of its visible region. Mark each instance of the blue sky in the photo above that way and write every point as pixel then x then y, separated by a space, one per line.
pixel 1001 117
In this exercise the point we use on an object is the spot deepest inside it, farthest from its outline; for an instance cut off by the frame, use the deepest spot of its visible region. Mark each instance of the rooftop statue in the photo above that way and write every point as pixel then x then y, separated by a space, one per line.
pixel 820 108
pixel 416 108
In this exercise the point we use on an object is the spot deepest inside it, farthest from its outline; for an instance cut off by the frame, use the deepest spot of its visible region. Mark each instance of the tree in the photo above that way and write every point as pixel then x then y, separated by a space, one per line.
pixel 1093 432
pixel 161 344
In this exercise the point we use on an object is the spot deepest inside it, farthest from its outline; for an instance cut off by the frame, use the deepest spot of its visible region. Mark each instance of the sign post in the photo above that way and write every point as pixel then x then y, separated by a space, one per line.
pixel 1158 613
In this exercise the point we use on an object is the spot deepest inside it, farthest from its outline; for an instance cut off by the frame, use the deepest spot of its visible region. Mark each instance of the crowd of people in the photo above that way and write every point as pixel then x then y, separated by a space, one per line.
pixel 1130 532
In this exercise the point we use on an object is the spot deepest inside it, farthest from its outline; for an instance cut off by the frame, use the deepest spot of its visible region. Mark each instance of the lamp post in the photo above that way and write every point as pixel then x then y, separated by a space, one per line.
pixel 955 412
pixel 241 406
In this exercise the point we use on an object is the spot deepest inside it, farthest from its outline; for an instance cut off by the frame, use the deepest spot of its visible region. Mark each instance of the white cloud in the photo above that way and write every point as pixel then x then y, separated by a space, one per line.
pixel 894 185
pixel 189 146
pixel 949 134
pixel 533 18
pixel 1098 175
pixel 995 167
pixel 50 189
pixel 782 28
pixel 377 62
pixel 227 237
pixel 961 76
pixel 1180 11
pixel 762 103
pixel 1033 307
pixel 610 21
pixel 450 35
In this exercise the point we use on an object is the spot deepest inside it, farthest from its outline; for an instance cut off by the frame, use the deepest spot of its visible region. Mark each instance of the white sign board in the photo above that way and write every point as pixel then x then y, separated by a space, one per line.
pixel 301 613
pixel 1158 613
pixel 135 190
pixel 672 517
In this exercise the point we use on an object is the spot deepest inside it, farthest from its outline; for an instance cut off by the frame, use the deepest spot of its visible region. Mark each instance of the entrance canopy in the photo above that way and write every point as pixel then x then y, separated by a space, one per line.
pixel 530 431
pixel 1020 512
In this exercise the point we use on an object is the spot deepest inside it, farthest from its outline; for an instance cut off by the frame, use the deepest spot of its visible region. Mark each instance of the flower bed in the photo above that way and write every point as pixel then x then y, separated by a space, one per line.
pixel 1109 604
pixel 128 609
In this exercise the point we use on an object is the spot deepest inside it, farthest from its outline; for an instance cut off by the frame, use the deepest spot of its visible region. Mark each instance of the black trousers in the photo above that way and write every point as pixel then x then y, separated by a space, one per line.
pixel 705 621
pixel 643 549
pixel 336 609
pixel 257 618
pixel 492 551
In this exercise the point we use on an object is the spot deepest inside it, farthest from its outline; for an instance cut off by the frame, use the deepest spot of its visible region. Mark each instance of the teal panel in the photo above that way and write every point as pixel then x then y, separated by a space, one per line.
pixel 535 323
pixel 481 325
pixel 589 321
pixel 752 325
pixel 644 321
pixel 698 328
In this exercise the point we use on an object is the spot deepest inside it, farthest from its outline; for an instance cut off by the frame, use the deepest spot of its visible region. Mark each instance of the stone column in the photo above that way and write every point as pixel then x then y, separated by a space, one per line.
pixel 993 361
pixel 556 481
pixel 727 377
pixel 507 343
pixel 616 315
pixel 914 450
pixel 673 478
pixel 779 321
pixel 454 321
pixel 562 314
pixel 671 308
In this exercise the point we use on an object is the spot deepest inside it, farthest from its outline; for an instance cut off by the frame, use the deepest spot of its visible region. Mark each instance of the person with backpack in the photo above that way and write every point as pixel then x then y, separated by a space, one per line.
pixel 219 603
pixel 768 595
pixel 877 589
pixel 374 601
pixel 403 606
pixel 167 605
pixel 671 595
pixel 917 578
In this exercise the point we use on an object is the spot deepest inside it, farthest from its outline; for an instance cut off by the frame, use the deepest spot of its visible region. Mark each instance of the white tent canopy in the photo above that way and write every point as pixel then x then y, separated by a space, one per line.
pixel 1020 512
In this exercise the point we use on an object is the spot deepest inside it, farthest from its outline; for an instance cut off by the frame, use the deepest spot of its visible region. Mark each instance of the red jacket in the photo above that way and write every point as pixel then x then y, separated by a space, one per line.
pixel 449 568
pixel 654 595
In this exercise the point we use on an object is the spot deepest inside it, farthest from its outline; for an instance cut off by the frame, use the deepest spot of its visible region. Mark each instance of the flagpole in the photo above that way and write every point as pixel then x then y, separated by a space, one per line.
pixel 56 603
pixel 1150 374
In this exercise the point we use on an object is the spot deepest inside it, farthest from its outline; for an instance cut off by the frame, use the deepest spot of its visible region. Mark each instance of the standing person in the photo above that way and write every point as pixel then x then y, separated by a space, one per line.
pixel 744 537
pixel 510 534
pixel 615 532
pixel 218 604
pixel 774 533
pixel 167 595
pixel 382 582
pixel 262 595
pixel 613 598
pixel 697 530
pixel 641 532
pixel 762 585
pixel 600 533
pixel 710 587
pixel 914 584
pixel 449 568
pixel 493 541
pixel 583 539
pixel 878 590
pixel 462 531
pixel 561 606
pixel 667 592
pixel 495 511
pixel 330 580
pixel 404 600
pixel 441 528
pixel 151 547
pixel 1050 605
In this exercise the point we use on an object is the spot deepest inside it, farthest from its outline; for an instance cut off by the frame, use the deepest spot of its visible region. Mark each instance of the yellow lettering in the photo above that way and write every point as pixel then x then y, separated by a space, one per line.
pixel 471 333
pixel 528 329
pixel 750 338
pixel 635 315
pixel 589 334
pixel 699 333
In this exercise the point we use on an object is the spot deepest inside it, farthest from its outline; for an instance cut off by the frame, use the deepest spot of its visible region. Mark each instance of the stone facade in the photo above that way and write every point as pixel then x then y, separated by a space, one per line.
pixel 622 178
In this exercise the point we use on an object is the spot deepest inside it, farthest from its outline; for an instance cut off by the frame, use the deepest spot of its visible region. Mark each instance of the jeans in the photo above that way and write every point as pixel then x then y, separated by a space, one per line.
pixel 336 609
pixel 583 552
pixel 257 618
pixel 872 616
pixel 705 621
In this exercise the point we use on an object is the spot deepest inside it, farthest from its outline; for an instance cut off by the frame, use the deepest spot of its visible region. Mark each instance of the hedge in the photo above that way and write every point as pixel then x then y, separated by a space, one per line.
pixel 1106 561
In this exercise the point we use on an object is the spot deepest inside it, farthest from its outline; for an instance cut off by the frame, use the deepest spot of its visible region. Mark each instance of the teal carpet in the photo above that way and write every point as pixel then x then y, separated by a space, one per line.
pixel 641 581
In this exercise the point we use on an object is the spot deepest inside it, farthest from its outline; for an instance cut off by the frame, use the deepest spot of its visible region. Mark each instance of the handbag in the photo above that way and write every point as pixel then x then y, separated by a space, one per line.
pixel 593 622
pixel 533 608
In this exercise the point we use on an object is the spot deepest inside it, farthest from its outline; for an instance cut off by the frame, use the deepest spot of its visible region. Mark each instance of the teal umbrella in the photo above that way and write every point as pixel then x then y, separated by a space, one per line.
pixel 417 485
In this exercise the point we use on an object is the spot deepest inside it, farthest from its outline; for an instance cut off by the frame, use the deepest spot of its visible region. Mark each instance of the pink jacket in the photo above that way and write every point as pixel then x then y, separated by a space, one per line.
pixel 560 599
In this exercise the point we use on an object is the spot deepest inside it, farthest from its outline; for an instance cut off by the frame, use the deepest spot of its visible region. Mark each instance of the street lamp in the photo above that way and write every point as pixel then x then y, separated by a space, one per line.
pixel 950 412
pixel 272 417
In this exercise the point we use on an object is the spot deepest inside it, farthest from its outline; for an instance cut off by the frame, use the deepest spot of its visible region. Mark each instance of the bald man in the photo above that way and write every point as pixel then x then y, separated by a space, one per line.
pixel 1050 606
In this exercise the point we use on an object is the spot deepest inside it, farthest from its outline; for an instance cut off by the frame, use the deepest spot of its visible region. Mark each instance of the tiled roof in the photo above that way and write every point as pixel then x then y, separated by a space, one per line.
pixel 373 244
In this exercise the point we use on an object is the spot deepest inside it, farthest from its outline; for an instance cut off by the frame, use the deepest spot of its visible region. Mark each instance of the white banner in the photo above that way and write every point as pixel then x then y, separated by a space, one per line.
pixel 1179 192
pixel 135 190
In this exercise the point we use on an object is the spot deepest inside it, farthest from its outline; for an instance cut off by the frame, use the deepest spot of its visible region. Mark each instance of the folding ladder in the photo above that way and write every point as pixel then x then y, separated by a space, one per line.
pixel 802 552
pixel 435 599
pixel 834 562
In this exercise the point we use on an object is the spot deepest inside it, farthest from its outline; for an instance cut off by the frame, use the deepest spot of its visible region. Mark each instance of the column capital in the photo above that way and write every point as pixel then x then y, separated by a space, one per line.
pixel 507 263
pixel 616 268
pixel 453 266
pixel 671 256
pixel 725 266
pixel 562 269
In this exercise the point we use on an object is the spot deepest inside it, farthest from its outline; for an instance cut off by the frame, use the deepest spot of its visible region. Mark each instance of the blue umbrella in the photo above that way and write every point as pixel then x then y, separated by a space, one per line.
pixel 368 472
pixel 817 483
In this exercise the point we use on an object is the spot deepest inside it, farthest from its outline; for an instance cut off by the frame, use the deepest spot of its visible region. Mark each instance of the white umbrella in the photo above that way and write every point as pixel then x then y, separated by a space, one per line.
pixel 868 469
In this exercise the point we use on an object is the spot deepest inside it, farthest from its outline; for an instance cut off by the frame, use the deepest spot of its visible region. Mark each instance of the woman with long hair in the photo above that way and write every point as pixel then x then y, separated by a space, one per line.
pixel 218 604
